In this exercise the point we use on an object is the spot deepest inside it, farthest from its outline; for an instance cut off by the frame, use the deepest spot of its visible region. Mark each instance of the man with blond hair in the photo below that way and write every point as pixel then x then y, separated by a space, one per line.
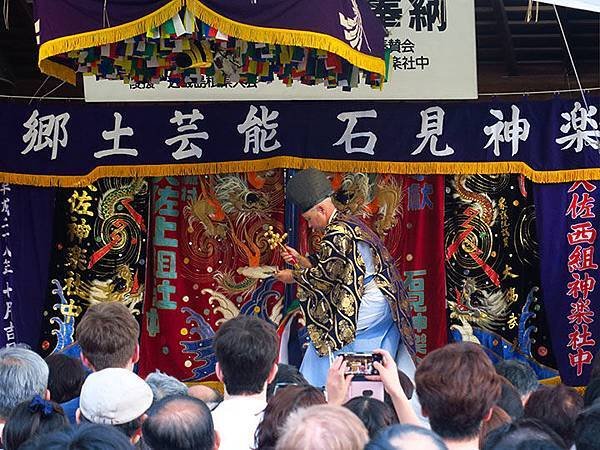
pixel 325 427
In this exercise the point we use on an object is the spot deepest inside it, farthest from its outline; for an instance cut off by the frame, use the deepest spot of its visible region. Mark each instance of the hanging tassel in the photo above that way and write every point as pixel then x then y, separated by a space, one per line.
pixel 105 20
pixel 5 13
pixel 530 10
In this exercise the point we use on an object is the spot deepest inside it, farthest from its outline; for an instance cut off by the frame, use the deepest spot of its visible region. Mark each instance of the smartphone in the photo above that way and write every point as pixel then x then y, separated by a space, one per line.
pixel 366 389
pixel 361 364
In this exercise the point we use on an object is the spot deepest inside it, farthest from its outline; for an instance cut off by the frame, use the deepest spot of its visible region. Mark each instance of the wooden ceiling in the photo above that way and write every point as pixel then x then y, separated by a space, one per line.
pixel 512 55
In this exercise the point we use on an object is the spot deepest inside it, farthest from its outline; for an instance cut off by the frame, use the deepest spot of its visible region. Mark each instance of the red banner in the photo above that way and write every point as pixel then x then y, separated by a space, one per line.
pixel 203 229
pixel 421 262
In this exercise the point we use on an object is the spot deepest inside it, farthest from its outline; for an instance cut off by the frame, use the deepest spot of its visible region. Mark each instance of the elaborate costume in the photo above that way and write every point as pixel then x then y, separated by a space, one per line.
pixel 349 304
pixel 352 297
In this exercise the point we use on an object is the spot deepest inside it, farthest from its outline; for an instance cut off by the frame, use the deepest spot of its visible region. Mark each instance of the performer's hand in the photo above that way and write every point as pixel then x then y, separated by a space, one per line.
pixel 388 373
pixel 285 276
pixel 290 255
pixel 338 384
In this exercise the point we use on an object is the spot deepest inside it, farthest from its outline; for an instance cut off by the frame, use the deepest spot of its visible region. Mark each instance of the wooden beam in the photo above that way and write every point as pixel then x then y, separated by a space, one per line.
pixel 505 36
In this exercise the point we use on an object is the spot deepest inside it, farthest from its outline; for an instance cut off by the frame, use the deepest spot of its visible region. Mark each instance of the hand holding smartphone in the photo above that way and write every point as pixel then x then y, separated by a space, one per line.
pixel 361 366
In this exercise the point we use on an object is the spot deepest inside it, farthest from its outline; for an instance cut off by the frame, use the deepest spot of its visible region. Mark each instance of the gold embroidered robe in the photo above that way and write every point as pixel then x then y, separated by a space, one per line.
pixel 330 292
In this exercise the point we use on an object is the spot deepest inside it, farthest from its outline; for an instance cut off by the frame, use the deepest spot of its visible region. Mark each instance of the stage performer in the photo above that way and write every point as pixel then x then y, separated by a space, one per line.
pixel 350 292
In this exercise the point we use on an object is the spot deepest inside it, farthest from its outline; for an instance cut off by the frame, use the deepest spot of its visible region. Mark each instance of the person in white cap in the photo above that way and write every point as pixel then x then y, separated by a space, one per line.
pixel 116 397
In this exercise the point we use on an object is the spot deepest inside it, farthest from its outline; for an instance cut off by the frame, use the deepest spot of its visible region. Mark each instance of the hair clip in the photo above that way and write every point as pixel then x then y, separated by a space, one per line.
pixel 38 404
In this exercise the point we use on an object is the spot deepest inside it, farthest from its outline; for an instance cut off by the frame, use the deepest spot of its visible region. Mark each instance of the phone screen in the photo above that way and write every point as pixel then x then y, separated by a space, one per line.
pixel 361 363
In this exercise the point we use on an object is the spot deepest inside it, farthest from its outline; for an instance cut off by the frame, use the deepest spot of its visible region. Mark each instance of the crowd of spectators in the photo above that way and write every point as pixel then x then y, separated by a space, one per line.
pixel 90 398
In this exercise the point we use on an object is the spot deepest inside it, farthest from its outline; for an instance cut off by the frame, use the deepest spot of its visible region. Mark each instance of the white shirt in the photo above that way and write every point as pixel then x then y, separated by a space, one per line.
pixel 236 419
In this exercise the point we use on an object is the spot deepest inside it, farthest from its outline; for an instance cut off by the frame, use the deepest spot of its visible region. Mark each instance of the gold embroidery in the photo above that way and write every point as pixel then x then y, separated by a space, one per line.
pixel 335 286
pixel 335 268
pixel 347 332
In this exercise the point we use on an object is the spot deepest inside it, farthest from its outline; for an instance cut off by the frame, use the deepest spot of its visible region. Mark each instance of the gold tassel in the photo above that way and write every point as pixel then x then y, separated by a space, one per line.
pixel 59 71
pixel 101 37
pixel 557 380
pixel 292 162
pixel 286 37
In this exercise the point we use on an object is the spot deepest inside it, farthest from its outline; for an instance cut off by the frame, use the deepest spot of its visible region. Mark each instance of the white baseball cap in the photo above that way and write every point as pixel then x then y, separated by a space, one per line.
pixel 114 396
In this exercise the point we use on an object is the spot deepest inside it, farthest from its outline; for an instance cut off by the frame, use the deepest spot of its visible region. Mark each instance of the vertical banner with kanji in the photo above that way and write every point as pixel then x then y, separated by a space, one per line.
pixel 407 212
pixel 8 334
pixel 99 254
pixel 493 269
pixel 27 257
pixel 421 259
pixel 209 250
pixel 568 225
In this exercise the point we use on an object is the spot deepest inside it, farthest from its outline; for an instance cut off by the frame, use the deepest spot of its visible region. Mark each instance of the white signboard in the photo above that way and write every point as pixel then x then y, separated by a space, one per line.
pixel 432 44
pixel 589 5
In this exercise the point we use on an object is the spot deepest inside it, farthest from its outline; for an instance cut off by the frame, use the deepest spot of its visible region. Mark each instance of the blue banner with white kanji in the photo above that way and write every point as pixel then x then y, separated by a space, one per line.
pixel 72 145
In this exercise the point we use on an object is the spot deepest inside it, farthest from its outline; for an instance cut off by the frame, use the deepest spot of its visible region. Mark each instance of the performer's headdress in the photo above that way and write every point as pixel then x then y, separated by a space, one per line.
pixel 308 188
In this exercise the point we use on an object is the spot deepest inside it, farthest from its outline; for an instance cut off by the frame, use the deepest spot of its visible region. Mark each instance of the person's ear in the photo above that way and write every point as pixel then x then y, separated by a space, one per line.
pixel 47 395
pixel 488 416
pixel 272 373
pixel 136 354
pixel 78 416
pixel 136 436
pixel 86 362
pixel 217 440
pixel 219 373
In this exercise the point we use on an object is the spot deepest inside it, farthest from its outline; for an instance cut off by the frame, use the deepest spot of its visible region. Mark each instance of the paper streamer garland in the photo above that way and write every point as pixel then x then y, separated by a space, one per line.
pixel 154 57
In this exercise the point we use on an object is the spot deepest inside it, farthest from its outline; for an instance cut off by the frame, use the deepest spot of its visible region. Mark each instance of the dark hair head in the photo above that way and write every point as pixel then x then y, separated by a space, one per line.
pixel 375 414
pixel 510 400
pixel 592 391
pixel 457 386
pixel 179 423
pixel 587 429
pixel 406 383
pixel 246 349
pixel 108 335
pixel 287 374
pixel 520 374
pixel 405 437
pixel 280 406
pixel 498 418
pixel 523 434
pixel 595 372
pixel 129 429
pixel 30 419
pixel 66 377
pixel 85 437
pixel 558 407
